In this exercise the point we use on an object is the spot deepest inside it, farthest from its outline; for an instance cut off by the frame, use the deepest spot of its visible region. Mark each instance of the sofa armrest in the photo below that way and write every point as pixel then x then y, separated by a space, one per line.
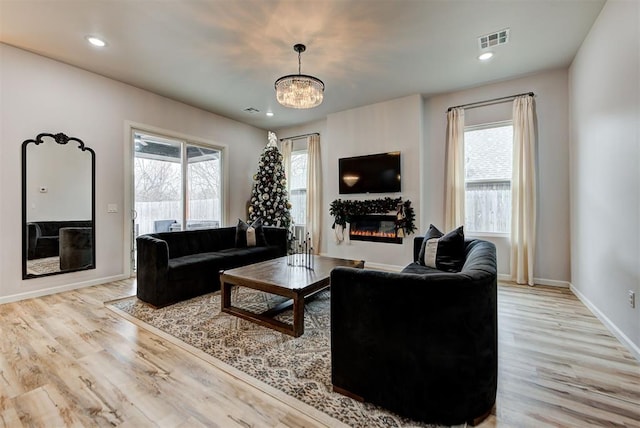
pixel 415 341
pixel 33 233
pixel 152 267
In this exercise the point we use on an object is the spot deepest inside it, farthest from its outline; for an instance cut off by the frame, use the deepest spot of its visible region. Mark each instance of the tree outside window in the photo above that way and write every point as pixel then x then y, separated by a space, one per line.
pixel 159 180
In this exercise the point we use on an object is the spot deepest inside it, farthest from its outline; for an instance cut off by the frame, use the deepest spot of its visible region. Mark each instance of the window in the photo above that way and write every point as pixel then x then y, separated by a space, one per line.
pixel 178 185
pixel 298 187
pixel 488 151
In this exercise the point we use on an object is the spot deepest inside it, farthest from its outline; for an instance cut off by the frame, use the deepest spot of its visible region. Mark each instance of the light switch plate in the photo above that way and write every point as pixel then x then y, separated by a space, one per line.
pixel 112 208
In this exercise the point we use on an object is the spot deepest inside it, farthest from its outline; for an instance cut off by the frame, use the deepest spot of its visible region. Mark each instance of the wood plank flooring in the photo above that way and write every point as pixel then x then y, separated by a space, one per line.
pixel 66 360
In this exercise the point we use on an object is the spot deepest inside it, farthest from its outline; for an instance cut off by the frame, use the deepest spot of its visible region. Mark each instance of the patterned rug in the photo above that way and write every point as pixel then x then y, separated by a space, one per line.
pixel 300 367
pixel 42 266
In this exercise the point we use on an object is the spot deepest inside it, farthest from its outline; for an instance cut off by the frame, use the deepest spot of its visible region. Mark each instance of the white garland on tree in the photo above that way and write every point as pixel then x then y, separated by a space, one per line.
pixel 269 198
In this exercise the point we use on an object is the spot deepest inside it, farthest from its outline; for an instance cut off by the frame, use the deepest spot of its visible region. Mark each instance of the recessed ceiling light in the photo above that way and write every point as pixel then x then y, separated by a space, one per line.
pixel 269 113
pixel 485 56
pixel 96 41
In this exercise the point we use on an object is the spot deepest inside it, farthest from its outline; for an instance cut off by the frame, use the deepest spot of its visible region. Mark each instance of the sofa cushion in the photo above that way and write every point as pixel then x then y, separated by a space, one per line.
pixel 250 235
pixel 234 257
pixel 443 252
pixel 205 264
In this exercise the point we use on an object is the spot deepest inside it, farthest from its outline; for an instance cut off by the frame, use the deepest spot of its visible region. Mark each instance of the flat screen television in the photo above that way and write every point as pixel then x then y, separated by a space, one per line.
pixel 378 173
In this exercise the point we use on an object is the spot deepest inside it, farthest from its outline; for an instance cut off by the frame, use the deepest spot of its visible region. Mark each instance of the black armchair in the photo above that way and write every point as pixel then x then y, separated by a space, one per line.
pixel 421 343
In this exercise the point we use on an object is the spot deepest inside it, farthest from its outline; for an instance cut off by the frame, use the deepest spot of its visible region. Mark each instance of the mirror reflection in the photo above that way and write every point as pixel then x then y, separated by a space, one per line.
pixel 57 205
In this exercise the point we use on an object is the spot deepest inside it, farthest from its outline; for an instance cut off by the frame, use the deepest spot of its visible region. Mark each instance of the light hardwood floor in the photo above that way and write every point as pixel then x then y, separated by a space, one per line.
pixel 66 360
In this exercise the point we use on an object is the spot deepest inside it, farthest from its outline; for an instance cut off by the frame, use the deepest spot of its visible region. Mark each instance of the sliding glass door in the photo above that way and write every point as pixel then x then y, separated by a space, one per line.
pixel 157 183
pixel 177 185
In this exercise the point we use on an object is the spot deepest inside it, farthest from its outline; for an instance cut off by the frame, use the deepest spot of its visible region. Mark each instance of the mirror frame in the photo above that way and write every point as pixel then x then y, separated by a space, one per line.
pixel 62 139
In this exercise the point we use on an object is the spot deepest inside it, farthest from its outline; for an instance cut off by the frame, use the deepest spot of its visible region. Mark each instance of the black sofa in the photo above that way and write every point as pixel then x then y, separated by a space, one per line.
pixel 43 237
pixel 175 266
pixel 421 342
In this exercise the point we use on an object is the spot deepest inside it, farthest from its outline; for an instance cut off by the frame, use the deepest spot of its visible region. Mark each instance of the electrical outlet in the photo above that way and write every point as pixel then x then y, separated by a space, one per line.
pixel 632 298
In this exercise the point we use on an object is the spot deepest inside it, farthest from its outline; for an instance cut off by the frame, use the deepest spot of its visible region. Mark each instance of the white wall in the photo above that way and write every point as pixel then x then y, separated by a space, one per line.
pixel 42 95
pixel 605 168
pixel 394 125
pixel 550 88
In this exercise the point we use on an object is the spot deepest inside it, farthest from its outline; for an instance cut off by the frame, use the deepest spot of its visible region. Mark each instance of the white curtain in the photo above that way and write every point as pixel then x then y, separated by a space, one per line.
pixel 523 192
pixel 454 180
pixel 314 192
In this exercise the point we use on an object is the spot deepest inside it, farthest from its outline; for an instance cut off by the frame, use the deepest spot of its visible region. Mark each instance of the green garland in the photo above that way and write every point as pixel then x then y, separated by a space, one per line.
pixel 342 211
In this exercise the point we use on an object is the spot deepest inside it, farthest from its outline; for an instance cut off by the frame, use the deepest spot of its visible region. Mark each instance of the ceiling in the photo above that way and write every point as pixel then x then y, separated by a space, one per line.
pixel 225 55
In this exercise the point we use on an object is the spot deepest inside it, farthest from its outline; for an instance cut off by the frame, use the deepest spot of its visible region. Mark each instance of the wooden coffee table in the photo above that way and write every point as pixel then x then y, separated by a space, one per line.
pixel 277 277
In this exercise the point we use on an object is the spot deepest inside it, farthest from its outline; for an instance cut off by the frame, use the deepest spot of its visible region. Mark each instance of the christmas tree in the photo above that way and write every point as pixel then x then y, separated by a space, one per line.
pixel 269 198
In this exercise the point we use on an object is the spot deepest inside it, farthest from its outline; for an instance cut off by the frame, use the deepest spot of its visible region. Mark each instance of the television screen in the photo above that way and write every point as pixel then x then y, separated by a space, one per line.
pixel 379 173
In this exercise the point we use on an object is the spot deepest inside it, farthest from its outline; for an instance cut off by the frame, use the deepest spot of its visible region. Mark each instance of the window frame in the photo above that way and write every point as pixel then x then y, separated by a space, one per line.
pixel 184 179
pixel 479 127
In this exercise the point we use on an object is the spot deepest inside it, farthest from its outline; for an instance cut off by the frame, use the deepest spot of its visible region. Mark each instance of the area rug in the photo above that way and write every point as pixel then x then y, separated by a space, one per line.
pixel 299 367
pixel 43 266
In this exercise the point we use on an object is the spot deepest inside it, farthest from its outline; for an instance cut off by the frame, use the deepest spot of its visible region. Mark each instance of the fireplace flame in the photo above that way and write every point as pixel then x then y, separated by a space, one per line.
pixel 377 234
pixel 374 228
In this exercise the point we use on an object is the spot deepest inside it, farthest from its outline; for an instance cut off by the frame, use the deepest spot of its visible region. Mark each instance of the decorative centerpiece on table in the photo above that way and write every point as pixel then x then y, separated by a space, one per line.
pixel 301 254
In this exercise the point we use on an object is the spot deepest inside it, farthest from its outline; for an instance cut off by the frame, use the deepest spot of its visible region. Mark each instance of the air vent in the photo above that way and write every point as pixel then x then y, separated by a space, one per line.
pixel 251 110
pixel 494 39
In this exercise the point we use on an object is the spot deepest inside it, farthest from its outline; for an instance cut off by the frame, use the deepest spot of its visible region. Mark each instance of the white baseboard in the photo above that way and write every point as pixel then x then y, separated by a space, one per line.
pixel 60 288
pixel 633 348
pixel 382 266
pixel 537 281
pixel 551 282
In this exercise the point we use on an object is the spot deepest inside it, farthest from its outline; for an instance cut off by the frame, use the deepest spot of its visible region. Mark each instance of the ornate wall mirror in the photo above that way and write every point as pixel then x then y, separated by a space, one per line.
pixel 58 206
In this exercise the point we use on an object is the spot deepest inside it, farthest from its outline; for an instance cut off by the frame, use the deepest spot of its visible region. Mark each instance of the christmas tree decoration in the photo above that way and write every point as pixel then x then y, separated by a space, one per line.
pixel 269 197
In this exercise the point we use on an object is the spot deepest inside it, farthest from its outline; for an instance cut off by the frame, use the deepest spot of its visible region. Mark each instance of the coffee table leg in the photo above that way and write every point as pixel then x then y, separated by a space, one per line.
pixel 226 294
pixel 298 316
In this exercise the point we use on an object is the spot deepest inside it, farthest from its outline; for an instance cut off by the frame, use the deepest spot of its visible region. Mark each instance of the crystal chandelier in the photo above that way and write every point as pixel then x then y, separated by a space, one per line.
pixel 299 90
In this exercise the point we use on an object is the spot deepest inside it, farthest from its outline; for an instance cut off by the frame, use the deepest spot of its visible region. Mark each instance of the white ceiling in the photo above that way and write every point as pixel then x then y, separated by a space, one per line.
pixel 224 55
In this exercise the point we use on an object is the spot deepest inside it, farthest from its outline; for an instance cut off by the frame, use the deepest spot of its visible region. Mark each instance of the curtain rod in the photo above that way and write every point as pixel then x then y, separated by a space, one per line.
pixel 490 102
pixel 297 137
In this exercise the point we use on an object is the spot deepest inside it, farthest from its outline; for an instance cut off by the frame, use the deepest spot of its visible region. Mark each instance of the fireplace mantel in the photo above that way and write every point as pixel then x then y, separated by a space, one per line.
pixel 344 211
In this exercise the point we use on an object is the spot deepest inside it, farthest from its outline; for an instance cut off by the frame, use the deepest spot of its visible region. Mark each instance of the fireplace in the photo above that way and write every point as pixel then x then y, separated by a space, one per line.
pixel 374 228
